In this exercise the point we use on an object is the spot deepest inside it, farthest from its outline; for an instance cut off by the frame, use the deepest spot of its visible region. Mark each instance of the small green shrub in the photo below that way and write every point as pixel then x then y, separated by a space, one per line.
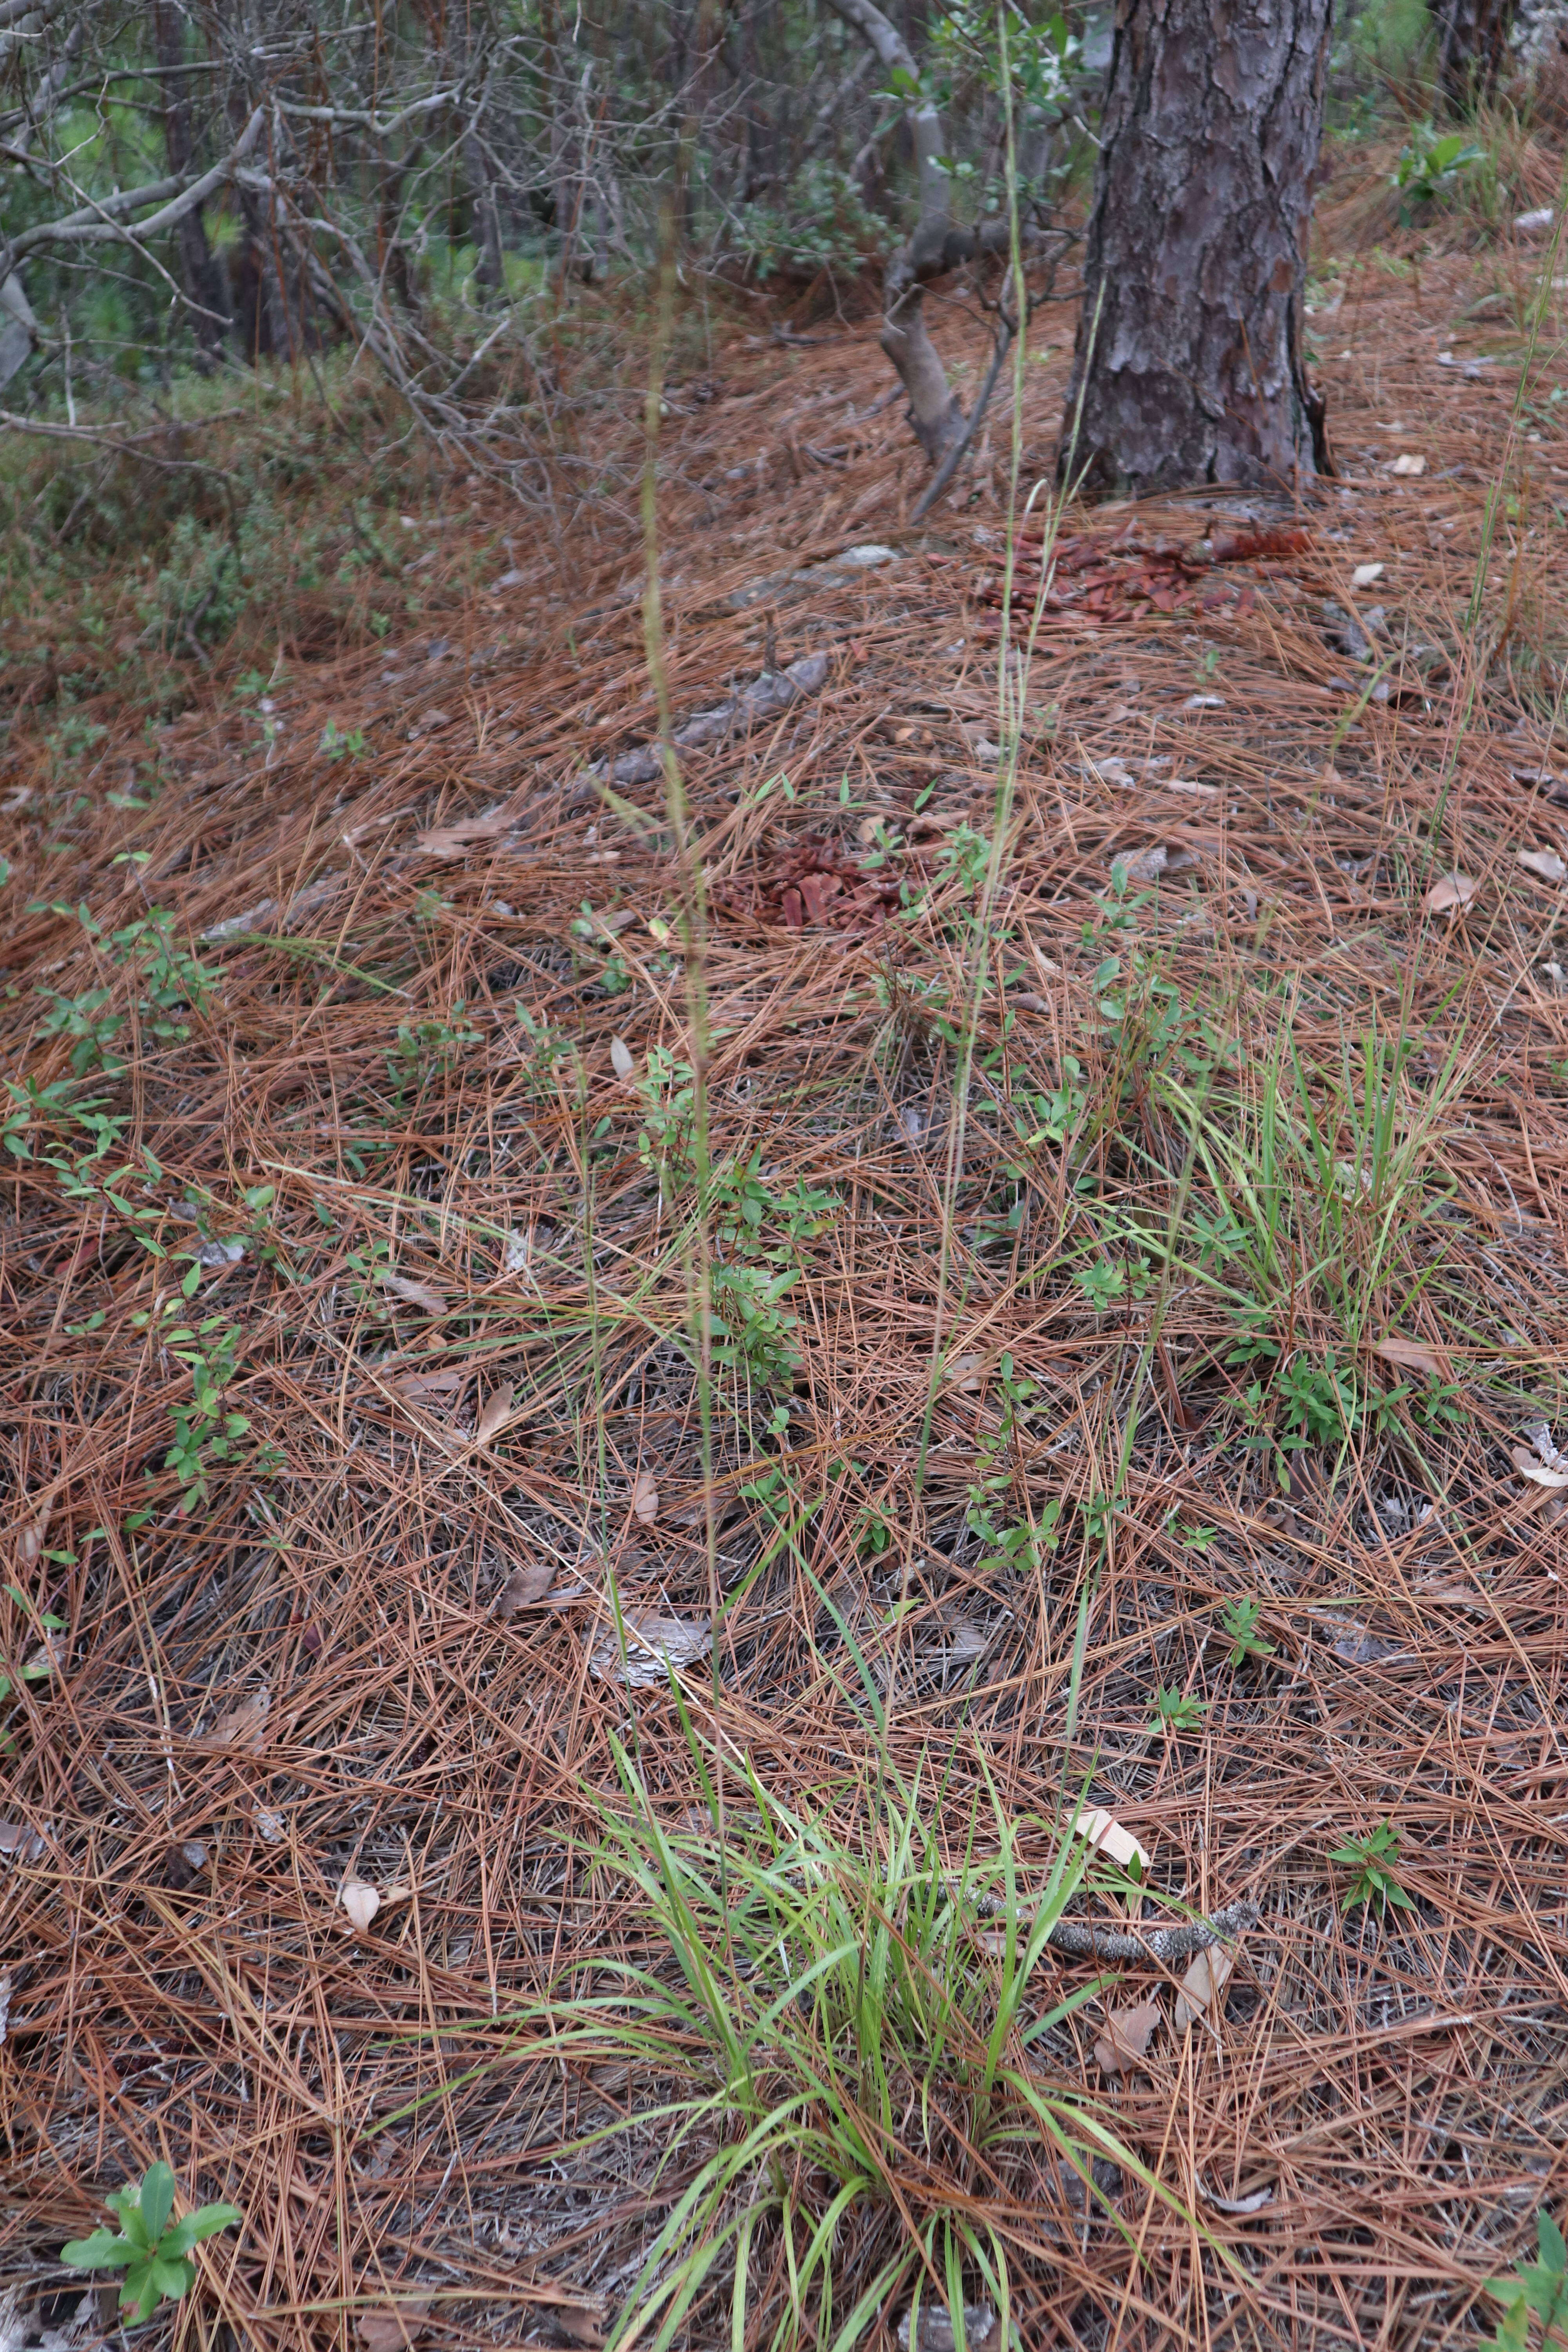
pixel 205 1437
pixel 173 982
pixel 425 1050
pixel 1371 1860
pixel 819 222
pixel 751 1331
pixel 1239 1624
pixel 1541 2286
pixel 41 1664
pixel 1014 1544
pixel 1430 167
pixel 152 2252
pixel 1177 1712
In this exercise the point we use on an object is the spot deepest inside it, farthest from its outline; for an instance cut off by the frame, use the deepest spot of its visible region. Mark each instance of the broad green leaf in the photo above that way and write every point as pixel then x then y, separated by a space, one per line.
pixel 105 2249
pixel 1540 2288
pixel 173 2275
pixel 127 2204
pixel 204 2222
pixel 140 2292
pixel 157 2202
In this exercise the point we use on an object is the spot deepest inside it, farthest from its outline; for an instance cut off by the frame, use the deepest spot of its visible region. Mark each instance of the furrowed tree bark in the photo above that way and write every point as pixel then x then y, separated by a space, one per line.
pixel 200 272
pixel 1189 364
pixel 1472 46
pixel 484 209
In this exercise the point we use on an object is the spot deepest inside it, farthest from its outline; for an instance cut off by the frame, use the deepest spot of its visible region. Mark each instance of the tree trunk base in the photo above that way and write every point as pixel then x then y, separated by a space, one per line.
pixel 1189 368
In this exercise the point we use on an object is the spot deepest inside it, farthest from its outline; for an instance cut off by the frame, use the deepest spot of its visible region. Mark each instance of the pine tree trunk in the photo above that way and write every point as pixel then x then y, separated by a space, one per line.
pixel 1472 43
pixel 1189 364
pixel 201 271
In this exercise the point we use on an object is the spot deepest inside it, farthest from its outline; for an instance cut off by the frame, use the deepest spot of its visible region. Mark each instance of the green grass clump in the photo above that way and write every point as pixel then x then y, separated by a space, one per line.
pixel 833 2021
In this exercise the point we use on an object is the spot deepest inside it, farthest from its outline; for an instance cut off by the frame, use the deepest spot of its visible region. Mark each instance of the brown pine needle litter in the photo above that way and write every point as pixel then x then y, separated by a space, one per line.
pixel 1245 1273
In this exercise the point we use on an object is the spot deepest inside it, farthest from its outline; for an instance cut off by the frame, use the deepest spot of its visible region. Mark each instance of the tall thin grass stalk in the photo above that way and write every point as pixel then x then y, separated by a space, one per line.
pixel 1012 695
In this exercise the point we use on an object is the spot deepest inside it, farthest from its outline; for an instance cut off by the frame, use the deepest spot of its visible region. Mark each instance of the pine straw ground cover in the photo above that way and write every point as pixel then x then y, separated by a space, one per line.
pixel 1234 1235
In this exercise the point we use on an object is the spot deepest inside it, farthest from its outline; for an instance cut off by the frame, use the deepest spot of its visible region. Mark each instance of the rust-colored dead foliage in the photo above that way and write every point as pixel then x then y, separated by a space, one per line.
pixel 301 1805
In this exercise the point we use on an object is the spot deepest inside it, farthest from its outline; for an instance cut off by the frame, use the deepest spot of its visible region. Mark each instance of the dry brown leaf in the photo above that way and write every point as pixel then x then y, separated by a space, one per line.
pixel 419 1294
pixel 645 1498
pixel 1449 894
pixel 1127 2035
pixel 451 840
pixel 429 1388
pixel 1540 1474
pixel 934 2330
pixel 244 1726
pixel 496 1414
pixel 1545 862
pixel 1159 857
pixel 580 2323
pixel 1458 1596
pixel 1539 1434
pixel 1410 1355
pixel 30 1542
pixel 1255 2203
pixel 1354 1646
pixel 654 1644
pixel 361 1902
pixel 1108 1837
pixel 525 1587
pixel 1203 1983
pixel 400 2324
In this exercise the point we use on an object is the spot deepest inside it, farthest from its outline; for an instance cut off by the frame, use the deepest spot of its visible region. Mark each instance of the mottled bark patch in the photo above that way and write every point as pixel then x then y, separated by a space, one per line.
pixel 1189 367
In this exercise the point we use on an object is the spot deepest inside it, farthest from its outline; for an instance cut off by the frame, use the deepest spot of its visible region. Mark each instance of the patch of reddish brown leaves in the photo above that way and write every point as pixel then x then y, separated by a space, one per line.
pixel 1095 579
pixel 814 885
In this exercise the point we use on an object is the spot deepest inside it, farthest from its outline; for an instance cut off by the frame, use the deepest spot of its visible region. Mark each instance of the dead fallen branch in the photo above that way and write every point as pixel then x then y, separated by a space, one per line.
pixel 768 697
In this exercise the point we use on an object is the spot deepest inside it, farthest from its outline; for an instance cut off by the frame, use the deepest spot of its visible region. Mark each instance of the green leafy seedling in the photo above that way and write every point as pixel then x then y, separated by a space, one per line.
pixel 152 2252
pixel 1429 166
pixel 1177 1712
pixel 1239 1624
pixel 41 1665
pixel 1372 1859
pixel 1539 2286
